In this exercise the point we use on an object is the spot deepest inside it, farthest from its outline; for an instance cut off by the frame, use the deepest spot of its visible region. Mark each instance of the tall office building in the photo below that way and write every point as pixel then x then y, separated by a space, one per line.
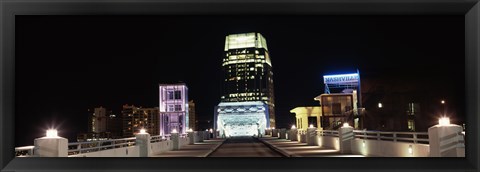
pixel 192 120
pixel 136 118
pixel 102 125
pixel 98 120
pixel 247 103
pixel 248 72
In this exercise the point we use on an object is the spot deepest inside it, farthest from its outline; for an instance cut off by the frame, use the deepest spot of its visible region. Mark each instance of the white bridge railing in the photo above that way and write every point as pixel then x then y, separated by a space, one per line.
pixel 94 146
pixel 410 137
pixel 24 151
pixel 332 133
pixel 76 148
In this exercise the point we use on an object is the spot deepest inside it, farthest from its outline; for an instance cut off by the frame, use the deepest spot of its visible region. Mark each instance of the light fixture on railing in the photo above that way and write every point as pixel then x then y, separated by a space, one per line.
pixel 174 131
pixel 443 121
pixel 311 126
pixel 190 130
pixel 143 131
pixel 273 128
pixel 346 124
pixel 293 127
pixel 52 133
pixel 210 130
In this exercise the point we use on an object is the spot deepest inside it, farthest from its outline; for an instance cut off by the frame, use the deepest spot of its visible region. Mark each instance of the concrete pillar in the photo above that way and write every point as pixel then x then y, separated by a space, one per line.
pixel 143 143
pixel 303 137
pixel 175 137
pixel 293 135
pixel 345 136
pixel 198 136
pixel 446 141
pixel 311 137
pixel 206 135
pixel 282 133
pixel 51 147
pixel 275 133
pixel 191 138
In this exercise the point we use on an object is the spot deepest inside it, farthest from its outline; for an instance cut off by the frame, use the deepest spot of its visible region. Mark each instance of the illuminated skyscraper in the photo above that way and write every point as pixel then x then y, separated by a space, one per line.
pixel 248 72
pixel 247 104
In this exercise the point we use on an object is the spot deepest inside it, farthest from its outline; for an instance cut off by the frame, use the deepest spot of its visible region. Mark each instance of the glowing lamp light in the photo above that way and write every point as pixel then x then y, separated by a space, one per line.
pixel 311 126
pixel 346 124
pixel 363 144
pixel 51 133
pixel 143 131
pixel 190 130
pixel 380 105
pixel 444 121
pixel 443 101
pixel 410 149
pixel 174 131
pixel 211 130
pixel 273 128
pixel 293 127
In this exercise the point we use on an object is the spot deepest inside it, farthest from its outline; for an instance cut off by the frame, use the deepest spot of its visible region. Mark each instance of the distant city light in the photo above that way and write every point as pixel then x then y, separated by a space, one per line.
pixel 52 133
pixel 346 124
pixel 443 101
pixel 443 121
pixel 380 105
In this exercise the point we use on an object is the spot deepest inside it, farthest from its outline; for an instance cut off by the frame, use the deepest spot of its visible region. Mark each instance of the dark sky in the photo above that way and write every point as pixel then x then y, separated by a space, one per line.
pixel 68 64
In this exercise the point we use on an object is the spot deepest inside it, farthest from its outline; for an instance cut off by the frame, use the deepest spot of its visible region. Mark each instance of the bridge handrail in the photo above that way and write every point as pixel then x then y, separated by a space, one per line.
pixel 333 133
pixel 395 136
pixel 98 145
pixel 157 138
pixel 24 151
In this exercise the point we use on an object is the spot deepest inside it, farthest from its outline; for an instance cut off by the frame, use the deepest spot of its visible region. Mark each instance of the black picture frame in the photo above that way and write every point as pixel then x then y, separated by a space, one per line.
pixel 9 9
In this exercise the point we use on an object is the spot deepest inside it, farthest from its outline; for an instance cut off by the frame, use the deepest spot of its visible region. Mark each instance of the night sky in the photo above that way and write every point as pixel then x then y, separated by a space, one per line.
pixel 65 65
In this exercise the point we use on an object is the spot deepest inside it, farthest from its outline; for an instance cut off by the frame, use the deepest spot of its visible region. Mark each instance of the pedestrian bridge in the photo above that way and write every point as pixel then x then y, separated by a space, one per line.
pixel 440 141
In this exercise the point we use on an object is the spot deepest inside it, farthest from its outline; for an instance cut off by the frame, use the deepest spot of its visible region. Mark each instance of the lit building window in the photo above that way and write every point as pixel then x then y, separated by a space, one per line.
pixel 178 107
pixel 170 95
pixel 411 125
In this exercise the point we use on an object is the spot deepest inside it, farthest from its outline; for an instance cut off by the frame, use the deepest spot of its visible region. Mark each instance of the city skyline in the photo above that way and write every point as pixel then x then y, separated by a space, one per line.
pixel 357 43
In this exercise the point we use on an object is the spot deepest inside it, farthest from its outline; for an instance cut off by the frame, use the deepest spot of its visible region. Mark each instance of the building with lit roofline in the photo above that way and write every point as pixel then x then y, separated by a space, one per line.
pixel 247 70
pixel 247 104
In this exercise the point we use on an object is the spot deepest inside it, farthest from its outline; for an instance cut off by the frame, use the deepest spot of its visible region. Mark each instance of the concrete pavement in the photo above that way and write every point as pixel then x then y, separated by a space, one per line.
pixel 244 147
pixel 201 149
pixel 296 149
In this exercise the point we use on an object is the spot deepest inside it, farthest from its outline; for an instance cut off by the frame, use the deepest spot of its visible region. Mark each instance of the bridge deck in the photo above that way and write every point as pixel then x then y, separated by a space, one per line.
pixel 244 147
pixel 201 149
